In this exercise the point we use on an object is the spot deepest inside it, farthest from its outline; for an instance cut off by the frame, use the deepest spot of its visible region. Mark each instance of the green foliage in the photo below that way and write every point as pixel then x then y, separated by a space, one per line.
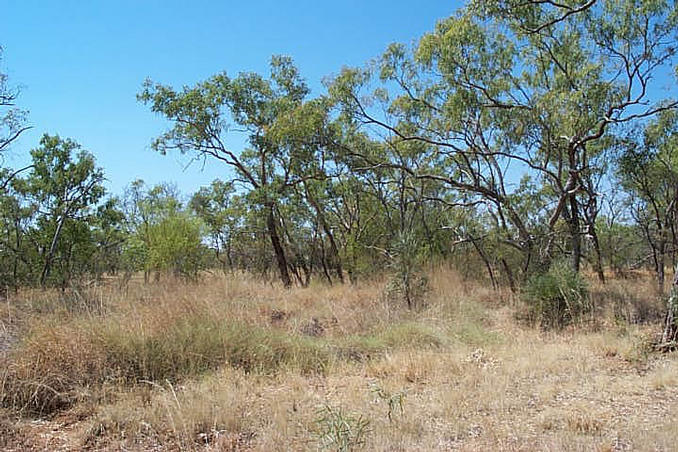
pixel 134 254
pixel 163 236
pixel 557 297
pixel 414 156
pixel 408 284
pixel 339 430
pixel 223 214
pixel 615 236
pixel 648 170
pixel 54 228
pixel 286 136
pixel 506 87
pixel 175 245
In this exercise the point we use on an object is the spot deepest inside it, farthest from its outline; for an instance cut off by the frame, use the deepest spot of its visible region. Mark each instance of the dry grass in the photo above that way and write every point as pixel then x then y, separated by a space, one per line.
pixel 235 364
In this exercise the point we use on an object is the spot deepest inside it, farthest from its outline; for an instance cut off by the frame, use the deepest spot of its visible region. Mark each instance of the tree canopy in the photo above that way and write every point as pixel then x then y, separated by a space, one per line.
pixel 511 137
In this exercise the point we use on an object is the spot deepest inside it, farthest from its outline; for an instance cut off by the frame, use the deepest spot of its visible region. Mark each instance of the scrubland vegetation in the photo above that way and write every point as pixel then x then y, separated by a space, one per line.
pixel 233 363
pixel 465 244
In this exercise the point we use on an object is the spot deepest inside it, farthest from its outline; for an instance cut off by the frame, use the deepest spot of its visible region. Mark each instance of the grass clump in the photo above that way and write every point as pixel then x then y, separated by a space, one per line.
pixel 51 369
pixel 411 335
pixel 557 297
pixel 339 430
pixel 207 412
pixel 194 345
pixel 405 335
pixel 56 366
pixel 394 400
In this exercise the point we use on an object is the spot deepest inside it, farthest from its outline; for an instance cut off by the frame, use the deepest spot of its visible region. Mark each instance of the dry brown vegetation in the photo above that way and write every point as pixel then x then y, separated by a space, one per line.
pixel 233 363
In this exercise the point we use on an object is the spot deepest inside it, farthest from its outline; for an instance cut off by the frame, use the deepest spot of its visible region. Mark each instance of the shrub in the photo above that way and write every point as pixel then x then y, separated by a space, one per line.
pixel 557 297
pixel 408 284
pixel 175 245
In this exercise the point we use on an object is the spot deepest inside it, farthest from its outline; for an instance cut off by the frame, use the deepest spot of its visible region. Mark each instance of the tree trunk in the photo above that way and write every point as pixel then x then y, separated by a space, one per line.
pixel 50 253
pixel 599 257
pixel 575 235
pixel 229 255
pixel 661 265
pixel 326 272
pixel 509 275
pixel 277 246
pixel 295 272
pixel 486 261
pixel 669 339
pixel 335 258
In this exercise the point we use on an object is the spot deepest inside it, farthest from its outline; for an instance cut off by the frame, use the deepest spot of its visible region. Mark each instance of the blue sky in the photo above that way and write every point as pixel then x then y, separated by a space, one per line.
pixel 81 63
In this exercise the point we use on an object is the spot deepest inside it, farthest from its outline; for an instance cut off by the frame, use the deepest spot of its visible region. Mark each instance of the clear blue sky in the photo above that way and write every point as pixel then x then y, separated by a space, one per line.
pixel 81 63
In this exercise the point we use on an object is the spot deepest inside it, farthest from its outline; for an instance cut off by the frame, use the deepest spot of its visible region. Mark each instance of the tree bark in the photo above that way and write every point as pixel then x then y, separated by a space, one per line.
pixel 509 275
pixel 575 235
pixel 669 339
pixel 661 265
pixel 486 261
pixel 596 249
pixel 50 253
pixel 277 246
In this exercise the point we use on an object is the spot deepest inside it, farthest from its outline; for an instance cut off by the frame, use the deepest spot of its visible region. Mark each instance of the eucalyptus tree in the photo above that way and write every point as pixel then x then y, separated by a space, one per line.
pixel 64 184
pixel 314 139
pixel 317 195
pixel 511 87
pixel 622 242
pixel 352 215
pixel 223 212
pixel 53 225
pixel 17 254
pixel 12 124
pixel 593 65
pixel 203 115
pixel 649 171
pixel 108 234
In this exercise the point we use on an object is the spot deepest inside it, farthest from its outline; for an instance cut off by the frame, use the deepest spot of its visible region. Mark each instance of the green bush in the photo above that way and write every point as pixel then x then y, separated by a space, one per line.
pixel 557 297
pixel 408 282
pixel 175 245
